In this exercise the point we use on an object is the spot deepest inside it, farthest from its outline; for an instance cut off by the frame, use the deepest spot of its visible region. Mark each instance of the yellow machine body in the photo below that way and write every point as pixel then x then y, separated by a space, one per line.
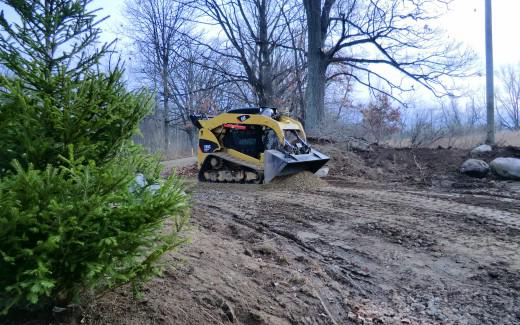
pixel 252 145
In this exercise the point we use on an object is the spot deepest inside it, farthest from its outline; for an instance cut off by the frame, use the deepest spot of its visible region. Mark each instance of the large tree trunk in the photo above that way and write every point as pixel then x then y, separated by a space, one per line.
pixel 315 94
pixel 165 106
pixel 317 65
pixel 265 91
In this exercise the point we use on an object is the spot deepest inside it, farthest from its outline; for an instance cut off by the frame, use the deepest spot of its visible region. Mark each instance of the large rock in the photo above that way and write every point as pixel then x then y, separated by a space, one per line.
pixel 475 168
pixel 358 144
pixel 482 149
pixel 506 167
pixel 141 182
pixel 322 172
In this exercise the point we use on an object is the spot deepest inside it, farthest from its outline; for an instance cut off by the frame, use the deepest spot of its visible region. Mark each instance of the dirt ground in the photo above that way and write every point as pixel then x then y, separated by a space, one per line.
pixel 391 237
pixel 179 163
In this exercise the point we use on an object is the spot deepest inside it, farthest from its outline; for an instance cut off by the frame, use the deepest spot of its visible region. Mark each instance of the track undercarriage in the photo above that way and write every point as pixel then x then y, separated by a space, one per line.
pixel 220 170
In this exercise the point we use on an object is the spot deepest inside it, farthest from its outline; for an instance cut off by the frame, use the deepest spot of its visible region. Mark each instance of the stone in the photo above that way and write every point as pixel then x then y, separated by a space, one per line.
pixel 475 168
pixel 57 309
pixel 154 188
pixel 322 172
pixel 358 144
pixel 138 183
pixel 141 182
pixel 433 308
pixel 483 148
pixel 418 307
pixel 506 167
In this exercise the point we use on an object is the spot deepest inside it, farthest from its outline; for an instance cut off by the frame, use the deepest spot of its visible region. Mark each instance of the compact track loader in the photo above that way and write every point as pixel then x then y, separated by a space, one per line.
pixel 252 145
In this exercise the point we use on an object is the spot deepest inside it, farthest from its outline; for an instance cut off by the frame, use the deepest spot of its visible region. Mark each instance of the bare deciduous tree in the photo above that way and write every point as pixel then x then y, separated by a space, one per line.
pixel 367 35
pixel 509 97
pixel 253 33
pixel 423 131
pixel 155 27
pixel 192 87
pixel 474 112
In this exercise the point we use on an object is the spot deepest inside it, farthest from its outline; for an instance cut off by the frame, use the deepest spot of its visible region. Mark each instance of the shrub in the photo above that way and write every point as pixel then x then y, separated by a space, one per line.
pixel 73 228
pixel 96 114
pixel 380 118
pixel 71 221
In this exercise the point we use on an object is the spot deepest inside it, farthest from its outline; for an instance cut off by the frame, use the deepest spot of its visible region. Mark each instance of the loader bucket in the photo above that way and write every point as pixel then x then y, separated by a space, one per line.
pixel 277 163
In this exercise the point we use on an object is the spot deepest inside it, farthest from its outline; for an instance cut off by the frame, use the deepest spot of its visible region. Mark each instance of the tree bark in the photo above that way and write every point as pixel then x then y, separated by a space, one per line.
pixel 315 94
pixel 265 90
pixel 165 105
pixel 317 64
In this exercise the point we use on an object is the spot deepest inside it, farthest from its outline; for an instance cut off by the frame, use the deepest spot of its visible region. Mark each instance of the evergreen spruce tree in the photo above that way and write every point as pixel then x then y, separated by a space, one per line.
pixel 69 225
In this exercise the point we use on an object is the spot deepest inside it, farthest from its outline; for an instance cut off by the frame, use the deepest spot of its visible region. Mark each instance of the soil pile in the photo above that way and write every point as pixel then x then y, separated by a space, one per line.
pixel 303 181
pixel 346 163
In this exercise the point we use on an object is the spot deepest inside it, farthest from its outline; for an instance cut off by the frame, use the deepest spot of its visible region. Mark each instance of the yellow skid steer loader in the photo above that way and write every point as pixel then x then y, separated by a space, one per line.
pixel 252 145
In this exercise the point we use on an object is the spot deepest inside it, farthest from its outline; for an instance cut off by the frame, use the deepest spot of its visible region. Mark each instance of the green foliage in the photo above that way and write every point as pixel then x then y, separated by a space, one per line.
pixel 48 38
pixel 77 226
pixel 58 96
pixel 72 225
pixel 95 114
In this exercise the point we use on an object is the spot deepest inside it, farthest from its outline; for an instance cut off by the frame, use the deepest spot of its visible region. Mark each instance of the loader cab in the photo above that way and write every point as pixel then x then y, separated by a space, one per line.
pixel 246 139
pixel 251 140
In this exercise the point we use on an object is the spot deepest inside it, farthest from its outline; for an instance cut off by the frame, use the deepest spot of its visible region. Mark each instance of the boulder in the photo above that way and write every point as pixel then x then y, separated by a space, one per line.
pixel 138 183
pixel 475 168
pixel 483 148
pixel 357 144
pixel 154 188
pixel 141 182
pixel 322 172
pixel 506 167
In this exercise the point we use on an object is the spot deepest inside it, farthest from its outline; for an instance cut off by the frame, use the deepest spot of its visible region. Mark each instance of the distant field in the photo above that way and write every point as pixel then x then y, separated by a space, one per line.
pixel 503 138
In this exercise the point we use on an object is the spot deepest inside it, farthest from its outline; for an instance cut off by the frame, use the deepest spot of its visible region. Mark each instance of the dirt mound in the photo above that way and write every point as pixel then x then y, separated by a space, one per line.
pixel 347 163
pixel 430 167
pixel 418 166
pixel 303 181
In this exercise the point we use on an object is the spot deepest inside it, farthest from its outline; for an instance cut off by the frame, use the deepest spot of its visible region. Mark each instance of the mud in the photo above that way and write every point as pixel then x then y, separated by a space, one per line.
pixel 425 167
pixel 299 182
pixel 394 245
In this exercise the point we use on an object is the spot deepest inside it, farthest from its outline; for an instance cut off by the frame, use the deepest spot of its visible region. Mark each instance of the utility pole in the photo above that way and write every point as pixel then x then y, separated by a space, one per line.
pixel 490 88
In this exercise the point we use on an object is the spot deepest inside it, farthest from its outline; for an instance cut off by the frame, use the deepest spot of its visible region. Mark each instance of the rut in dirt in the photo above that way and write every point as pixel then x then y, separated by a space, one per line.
pixel 401 253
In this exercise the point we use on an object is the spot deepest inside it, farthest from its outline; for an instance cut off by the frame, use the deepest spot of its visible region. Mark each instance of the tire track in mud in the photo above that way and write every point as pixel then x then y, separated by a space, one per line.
pixel 461 229
pixel 365 241
pixel 329 288
pixel 405 209
pixel 353 202
pixel 391 215
pixel 229 216
pixel 421 201
pixel 332 205
pixel 343 266
pixel 391 212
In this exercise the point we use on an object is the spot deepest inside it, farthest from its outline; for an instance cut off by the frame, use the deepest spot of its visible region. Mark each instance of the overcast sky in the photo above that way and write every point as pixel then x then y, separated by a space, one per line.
pixel 464 22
